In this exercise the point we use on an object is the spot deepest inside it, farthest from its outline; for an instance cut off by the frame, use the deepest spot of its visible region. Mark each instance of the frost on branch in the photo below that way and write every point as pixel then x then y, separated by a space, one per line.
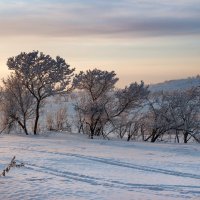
pixel 17 103
pixel 100 103
pixel 130 97
pixel 42 76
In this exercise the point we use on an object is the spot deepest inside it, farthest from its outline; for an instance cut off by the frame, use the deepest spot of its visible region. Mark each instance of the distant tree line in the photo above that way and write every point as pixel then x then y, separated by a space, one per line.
pixel 131 113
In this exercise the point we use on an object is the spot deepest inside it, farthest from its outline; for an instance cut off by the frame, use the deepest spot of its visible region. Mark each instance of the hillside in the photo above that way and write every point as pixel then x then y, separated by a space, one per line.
pixel 178 84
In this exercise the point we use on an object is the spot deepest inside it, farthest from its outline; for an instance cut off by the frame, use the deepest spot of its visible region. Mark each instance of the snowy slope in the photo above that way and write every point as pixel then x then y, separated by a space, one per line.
pixel 59 167
pixel 179 84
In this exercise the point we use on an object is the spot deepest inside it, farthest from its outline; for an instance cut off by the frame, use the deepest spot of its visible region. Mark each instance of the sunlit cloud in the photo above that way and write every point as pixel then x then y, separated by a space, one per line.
pixel 117 18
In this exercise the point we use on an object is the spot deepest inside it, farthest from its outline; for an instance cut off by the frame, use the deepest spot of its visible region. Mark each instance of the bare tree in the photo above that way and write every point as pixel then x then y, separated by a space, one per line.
pixel 184 110
pixel 101 103
pixel 50 124
pixel 58 121
pixel 41 75
pixel 130 98
pixel 156 120
pixel 17 104
pixel 175 113
pixel 62 120
pixel 96 84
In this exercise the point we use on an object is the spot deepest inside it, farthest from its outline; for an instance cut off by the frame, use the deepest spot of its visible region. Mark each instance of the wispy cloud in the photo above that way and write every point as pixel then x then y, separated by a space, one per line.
pixel 113 18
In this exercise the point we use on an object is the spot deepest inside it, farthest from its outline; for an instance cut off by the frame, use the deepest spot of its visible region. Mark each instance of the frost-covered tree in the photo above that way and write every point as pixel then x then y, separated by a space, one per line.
pixel 127 125
pixel 96 83
pixel 130 97
pixel 156 121
pixel 42 76
pixel 172 113
pixel 17 103
pixel 184 110
pixel 91 107
pixel 100 104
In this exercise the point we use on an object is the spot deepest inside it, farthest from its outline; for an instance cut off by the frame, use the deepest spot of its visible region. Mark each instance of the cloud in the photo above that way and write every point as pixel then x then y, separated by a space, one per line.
pixel 94 18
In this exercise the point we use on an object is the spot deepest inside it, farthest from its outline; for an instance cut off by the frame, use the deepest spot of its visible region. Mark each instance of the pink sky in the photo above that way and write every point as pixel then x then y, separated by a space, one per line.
pixel 140 40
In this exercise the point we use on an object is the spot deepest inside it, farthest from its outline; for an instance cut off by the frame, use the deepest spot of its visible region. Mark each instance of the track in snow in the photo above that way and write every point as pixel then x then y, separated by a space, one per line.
pixel 111 183
pixel 120 164
pixel 46 170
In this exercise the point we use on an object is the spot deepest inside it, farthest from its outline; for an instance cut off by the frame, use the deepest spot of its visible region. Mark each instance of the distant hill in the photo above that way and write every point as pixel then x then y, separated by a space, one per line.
pixel 179 84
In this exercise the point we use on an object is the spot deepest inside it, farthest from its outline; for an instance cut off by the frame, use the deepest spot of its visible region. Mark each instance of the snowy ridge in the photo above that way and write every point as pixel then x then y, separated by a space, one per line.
pixel 179 84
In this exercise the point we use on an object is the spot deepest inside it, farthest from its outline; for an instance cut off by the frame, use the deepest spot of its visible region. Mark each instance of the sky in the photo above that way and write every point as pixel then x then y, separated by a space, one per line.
pixel 150 40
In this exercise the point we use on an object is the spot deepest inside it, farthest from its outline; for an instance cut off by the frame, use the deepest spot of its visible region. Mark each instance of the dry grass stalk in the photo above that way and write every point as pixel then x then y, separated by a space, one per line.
pixel 10 165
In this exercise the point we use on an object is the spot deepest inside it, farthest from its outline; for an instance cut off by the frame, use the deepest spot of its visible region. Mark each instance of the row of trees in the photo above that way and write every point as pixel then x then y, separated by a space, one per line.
pixel 100 104
pixel 134 112
pixel 167 116
pixel 101 109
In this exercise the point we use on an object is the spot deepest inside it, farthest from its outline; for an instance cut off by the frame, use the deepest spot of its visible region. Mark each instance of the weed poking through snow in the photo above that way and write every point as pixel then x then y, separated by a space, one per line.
pixel 10 165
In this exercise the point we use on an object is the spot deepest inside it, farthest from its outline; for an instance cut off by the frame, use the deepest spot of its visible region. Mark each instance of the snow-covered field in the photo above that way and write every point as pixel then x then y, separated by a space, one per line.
pixel 70 166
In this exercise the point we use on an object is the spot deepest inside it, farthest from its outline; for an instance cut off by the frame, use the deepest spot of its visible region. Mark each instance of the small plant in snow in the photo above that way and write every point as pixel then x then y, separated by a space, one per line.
pixel 59 122
pixel 10 165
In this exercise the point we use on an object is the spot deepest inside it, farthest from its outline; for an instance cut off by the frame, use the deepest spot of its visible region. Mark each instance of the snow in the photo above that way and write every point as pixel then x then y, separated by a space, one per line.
pixel 71 166
pixel 179 84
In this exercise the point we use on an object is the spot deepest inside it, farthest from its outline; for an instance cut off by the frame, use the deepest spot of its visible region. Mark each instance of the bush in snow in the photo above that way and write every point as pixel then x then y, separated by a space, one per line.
pixel 58 121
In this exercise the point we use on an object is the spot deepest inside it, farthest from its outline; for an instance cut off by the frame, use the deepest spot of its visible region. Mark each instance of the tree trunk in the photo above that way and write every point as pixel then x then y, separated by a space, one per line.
pixel 37 115
pixel 129 137
pixel 23 127
pixel 177 137
pixel 185 137
pixel 155 136
pixel 91 133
